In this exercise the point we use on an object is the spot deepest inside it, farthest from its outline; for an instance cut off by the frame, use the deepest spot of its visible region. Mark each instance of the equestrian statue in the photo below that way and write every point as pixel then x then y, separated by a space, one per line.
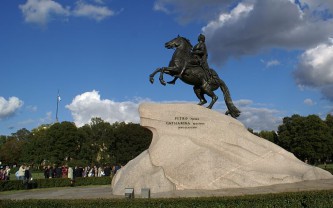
pixel 190 65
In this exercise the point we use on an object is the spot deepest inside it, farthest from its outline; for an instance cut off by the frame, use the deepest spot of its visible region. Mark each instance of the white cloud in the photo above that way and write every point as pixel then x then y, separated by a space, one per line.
pixel 327 92
pixel 254 26
pixel 32 108
pixel 270 63
pixel 246 27
pixel 309 102
pixel 160 7
pixel 243 102
pixel 319 5
pixel 316 66
pixel 237 28
pixel 95 12
pixel 47 118
pixel 89 105
pixel 99 1
pixel 259 118
pixel 315 69
pixel 9 107
pixel 239 12
pixel 42 11
pixel 189 10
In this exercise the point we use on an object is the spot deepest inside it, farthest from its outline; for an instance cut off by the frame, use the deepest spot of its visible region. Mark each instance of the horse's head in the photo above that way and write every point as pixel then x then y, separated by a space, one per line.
pixel 178 42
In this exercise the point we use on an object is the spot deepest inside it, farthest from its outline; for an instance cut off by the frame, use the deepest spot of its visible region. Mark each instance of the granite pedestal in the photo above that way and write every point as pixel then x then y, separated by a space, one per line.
pixel 195 148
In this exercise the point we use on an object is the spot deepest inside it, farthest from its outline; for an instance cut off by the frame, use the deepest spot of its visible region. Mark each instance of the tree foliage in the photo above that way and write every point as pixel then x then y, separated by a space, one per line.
pixel 309 138
pixel 11 146
pixel 63 138
pixel 100 142
pixel 35 150
pixel 11 151
pixel 96 143
pixel 269 135
pixel 130 140
pixel 95 140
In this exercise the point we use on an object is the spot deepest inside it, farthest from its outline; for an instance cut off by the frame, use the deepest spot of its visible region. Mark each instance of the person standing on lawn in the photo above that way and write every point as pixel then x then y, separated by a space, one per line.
pixel 21 172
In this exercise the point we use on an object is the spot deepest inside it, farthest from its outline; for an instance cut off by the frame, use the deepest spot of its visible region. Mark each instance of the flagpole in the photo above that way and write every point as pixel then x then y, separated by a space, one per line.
pixel 57 107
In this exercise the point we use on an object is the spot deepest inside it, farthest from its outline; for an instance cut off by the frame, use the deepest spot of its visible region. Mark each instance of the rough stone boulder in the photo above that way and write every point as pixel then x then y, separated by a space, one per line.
pixel 197 148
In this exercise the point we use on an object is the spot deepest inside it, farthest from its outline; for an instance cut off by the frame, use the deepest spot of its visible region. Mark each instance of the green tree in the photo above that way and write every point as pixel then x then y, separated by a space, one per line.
pixel 3 139
pixel 10 152
pixel 95 140
pixel 307 137
pixel 63 142
pixel 130 140
pixel 269 135
pixel 22 134
pixel 86 153
pixel 253 132
pixel 329 123
pixel 34 151
pixel 11 149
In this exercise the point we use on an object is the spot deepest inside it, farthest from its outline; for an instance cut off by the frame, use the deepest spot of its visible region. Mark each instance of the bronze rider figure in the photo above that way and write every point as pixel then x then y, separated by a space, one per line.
pixel 199 58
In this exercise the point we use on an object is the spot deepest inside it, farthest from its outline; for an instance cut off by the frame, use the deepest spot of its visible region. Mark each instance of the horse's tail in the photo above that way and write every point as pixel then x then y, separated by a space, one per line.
pixel 232 110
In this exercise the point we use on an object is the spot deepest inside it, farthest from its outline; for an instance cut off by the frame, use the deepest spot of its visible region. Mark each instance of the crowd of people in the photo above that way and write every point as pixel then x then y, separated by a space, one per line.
pixel 65 171
pixel 60 171
pixel 5 173
pixel 23 173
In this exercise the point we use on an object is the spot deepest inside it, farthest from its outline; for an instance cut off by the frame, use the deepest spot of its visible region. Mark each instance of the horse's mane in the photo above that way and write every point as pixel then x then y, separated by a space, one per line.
pixel 188 41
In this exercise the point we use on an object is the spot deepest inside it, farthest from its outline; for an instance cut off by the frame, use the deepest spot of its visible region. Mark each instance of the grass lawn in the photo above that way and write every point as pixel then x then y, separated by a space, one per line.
pixel 328 166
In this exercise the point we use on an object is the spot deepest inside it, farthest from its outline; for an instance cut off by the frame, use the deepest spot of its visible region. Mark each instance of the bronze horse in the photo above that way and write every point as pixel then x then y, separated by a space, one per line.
pixel 194 75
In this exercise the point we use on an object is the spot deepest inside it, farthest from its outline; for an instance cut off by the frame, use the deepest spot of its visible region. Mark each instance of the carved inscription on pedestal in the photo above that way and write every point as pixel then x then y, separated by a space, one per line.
pixel 185 122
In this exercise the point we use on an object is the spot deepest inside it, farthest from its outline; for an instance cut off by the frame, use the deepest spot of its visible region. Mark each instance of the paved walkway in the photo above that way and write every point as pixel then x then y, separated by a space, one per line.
pixel 95 192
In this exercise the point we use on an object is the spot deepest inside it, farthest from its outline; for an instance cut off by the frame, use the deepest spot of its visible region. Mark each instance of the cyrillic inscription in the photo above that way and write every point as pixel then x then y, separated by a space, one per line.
pixel 185 122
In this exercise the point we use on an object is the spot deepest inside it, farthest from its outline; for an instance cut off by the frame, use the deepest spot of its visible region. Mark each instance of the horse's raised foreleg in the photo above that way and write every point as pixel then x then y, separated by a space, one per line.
pixel 166 70
pixel 151 76
pixel 161 76
pixel 162 70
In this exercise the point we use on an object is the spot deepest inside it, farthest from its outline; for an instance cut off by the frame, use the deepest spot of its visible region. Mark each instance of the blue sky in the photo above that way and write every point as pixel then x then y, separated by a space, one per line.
pixel 276 56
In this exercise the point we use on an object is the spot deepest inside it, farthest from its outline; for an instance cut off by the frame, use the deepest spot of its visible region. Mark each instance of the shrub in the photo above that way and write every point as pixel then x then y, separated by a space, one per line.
pixel 93 181
pixel 11 185
pixel 53 182
pixel 329 170
pixel 320 199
